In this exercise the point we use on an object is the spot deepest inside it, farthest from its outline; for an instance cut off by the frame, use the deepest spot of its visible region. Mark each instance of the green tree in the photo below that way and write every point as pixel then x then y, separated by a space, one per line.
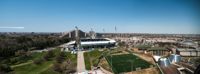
pixel 49 55
pixel 38 61
pixel 5 68
pixel 61 57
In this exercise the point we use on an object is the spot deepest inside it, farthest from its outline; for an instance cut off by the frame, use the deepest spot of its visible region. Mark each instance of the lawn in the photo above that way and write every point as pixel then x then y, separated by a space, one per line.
pixel 49 71
pixel 91 58
pixel 33 68
pixel 34 56
pixel 44 68
pixel 72 57
pixel 126 63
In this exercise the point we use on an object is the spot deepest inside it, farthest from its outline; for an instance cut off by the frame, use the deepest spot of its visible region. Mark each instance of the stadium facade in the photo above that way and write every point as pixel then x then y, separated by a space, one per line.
pixel 86 44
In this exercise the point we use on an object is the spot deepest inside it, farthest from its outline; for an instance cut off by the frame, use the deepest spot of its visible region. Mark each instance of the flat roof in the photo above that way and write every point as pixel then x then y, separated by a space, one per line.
pixel 143 46
pixel 157 48
pixel 186 49
pixel 86 40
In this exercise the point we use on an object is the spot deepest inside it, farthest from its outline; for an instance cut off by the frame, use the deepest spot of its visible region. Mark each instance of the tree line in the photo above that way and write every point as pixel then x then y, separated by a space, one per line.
pixel 9 45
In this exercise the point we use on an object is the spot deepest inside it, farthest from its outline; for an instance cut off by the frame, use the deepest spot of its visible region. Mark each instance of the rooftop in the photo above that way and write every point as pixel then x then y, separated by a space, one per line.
pixel 188 43
pixel 143 46
pixel 157 48
pixel 186 49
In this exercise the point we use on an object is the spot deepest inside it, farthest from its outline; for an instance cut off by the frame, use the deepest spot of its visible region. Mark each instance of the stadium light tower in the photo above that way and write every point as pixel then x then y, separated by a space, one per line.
pixel 115 29
pixel 115 32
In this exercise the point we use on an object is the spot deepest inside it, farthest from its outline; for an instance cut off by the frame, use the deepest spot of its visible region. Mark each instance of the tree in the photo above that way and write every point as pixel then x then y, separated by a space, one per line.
pixel 38 61
pixel 20 52
pixel 197 61
pixel 5 68
pixel 57 67
pixel 49 55
pixel 68 67
pixel 60 58
pixel 64 67
pixel 121 43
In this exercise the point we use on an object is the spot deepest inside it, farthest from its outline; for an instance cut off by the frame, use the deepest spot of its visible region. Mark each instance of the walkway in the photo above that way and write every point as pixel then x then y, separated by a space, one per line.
pixel 29 62
pixel 80 62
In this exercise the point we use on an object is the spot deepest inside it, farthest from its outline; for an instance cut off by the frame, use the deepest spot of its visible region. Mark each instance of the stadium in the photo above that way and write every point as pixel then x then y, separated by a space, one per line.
pixel 86 44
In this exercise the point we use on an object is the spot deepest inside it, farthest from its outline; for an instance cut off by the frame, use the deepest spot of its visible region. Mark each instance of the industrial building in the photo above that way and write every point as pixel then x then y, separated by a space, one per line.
pixel 158 51
pixel 188 52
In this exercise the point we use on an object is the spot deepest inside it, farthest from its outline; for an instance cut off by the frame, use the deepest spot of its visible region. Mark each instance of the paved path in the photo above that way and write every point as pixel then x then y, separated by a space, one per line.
pixel 80 62
pixel 29 62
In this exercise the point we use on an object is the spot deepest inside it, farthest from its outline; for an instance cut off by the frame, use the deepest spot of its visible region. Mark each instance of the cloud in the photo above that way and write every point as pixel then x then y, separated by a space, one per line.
pixel 11 27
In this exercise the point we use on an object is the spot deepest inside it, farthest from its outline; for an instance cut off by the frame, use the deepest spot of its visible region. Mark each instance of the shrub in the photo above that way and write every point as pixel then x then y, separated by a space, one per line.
pixel 57 67
pixel 61 57
pixel 38 61
pixel 49 55
pixel 5 68
pixel 68 67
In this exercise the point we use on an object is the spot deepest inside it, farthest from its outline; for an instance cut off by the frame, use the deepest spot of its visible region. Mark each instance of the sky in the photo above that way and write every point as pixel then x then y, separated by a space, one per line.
pixel 128 16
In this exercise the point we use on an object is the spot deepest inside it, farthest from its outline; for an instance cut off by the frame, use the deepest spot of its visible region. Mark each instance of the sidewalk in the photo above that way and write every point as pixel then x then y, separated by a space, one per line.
pixel 80 62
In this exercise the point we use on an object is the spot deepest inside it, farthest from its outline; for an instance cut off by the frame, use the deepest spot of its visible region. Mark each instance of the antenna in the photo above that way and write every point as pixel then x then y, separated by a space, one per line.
pixel 115 29
pixel 103 30
pixel 91 29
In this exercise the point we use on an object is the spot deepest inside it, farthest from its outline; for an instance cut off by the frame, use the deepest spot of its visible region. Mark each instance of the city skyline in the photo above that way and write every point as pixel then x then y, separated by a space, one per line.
pixel 127 16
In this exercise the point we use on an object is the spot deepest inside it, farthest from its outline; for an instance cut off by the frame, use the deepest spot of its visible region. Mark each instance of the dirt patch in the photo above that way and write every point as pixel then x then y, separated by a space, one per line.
pixel 104 64
pixel 153 70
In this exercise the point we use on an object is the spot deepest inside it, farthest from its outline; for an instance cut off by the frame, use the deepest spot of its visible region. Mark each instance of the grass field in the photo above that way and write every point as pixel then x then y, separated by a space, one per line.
pixel 91 58
pixel 126 63
pixel 49 71
pixel 44 68
pixel 33 68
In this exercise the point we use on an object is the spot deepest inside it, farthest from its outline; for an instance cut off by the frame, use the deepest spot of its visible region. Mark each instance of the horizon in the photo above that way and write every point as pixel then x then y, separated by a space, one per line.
pixel 110 32
pixel 128 16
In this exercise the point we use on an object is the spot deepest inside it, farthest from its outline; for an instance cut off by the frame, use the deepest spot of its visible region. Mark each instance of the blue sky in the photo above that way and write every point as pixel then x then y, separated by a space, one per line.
pixel 132 16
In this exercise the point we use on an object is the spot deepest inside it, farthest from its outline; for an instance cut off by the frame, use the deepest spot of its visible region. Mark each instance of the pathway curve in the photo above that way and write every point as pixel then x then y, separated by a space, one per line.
pixel 22 64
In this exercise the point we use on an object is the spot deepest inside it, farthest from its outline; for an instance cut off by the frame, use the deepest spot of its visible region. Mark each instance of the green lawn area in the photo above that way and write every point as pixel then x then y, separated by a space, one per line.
pixel 44 68
pixel 72 57
pixel 33 68
pixel 22 59
pixel 92 56
pixel 126 63
pixel 34 56
pixel 49 71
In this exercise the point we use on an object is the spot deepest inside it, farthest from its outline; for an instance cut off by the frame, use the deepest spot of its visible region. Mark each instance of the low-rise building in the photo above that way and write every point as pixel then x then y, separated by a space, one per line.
pixel 188 52
pixel 158 51
pixel 141 48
